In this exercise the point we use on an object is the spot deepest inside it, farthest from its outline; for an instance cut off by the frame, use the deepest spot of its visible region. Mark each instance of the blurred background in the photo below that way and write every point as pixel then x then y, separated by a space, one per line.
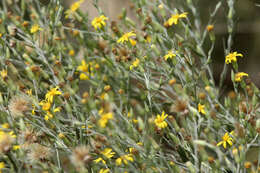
pixel 246 38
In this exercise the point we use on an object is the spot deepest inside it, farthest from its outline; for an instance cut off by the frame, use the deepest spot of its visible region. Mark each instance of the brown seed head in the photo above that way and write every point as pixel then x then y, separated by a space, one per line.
pixel 19 105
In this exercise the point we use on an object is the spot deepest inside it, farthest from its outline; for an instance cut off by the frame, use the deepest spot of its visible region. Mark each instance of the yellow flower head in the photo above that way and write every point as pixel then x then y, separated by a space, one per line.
pixel 83 76
pixel 73 8
pixel 108 153
pixel 45 105
pixel 104 170
pixel 232 57
pixel 3 74
pixel 35 28
pixel 100 160
pixel 2 165
pixel 98 22
pixel 104 119
pixel 240 75
pixel 50 94
pixel 159 121
pixel 174 18
pixel 169 55
pixel 135 64
pixel 226 139
pixel 124 159
pixel 83 67
pixel 126 37
pixel 201 109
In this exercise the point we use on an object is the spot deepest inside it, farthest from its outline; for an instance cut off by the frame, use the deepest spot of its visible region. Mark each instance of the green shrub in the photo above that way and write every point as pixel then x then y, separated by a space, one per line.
pixel 95 95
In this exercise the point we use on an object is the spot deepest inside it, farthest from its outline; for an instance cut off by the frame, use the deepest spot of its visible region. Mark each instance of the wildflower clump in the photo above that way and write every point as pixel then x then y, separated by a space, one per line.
pixel 135 92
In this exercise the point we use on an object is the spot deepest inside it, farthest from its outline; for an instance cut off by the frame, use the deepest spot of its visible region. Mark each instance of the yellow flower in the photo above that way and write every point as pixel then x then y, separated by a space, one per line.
pixel 108 153
pixel 135 64
pixel 169 55
pixel 201 109
pixel 73 8
pixel 33 110
pixel 16 147
pixel 125 159
pixel 98 22
pixel 159 121
pixel 126 37
pixel 35 28
pixel 104 170
pixel 48 116
pixel 50 94
pixel 174 18
pixel 240 75
pixel 100 160
pixel 83 76
pixel 57 109
pixel 29 92
pixel 83 67
pixel 3 74
pixel 5 126
pixel 226 139
pixel 71 52
pixel 210 28
pixel 2 165
pixel 45 106
pixel 61 135
pixel 104 119
pixel 232 57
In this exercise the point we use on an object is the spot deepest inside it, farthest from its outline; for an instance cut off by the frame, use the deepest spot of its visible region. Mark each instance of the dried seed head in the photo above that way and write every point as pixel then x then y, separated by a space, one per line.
pixel 232 95
pixel 202 95
pixel 19 105
pixel 28 136
pixel 39 152
pixel 6 141
pixel 80 156
pixel 247 165
pixel 180 106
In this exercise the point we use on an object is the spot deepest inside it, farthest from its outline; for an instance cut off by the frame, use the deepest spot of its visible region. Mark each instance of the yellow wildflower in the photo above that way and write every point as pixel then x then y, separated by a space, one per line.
pixel 232 57
pixel 33 110
pixel 2 165
pixel 50 94
pixel 71 52
pixel 226 139
pixel 240 75
pixel 126 37
pixel 3 74
pixel 35 28
pixel 201 109
pixel 108 153
pixel 159 121
pixel 100 160
pixel 57 109
pixel 73 8
pixel 98 22
pixel 104 170
pixel 169 55
pixel 45 105
pixel 135 64
pixel 174 18
pixel 83 76
pixel 48 116
pixel 210 28
pixel 83 67
pixel 5 126
pixel 29 92
pixel 124 159
pixel 16 147
pixel 61 135
pixel 104 119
